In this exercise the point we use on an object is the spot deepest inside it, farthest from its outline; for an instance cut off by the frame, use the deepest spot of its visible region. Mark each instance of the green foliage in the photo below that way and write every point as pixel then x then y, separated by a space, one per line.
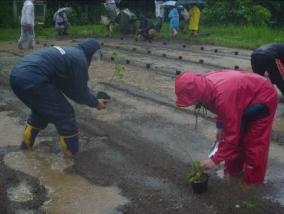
pixel 114 56
pixel 118 69
pixel 196 172
pixel 235 12
pixel 250 205
pixel 258 15
pixel 6 14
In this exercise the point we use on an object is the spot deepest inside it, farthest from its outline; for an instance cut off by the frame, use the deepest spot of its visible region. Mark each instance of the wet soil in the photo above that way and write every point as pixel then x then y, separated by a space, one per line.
pixel 141 144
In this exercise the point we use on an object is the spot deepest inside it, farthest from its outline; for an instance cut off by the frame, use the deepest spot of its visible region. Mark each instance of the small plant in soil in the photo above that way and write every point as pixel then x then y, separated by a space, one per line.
pixel 118 69
pixel 196 172
pixel 197 177
pixel 250 205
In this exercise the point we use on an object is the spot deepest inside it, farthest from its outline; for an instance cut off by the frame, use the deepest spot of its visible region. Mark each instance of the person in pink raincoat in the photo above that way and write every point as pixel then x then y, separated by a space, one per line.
pixel 245 104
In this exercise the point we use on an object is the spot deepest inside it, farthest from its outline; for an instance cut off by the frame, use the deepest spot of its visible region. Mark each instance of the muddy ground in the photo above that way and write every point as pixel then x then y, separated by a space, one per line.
pixel 135 154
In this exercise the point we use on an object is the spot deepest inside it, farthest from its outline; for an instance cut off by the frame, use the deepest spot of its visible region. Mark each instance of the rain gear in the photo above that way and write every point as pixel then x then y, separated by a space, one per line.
pixel 235 98
pixel 27 25
pixel 42 80
pixel 61 23
pixel 146 28
pixel 28 15
pixel 270 58
pixel 194 17
pixel 174 19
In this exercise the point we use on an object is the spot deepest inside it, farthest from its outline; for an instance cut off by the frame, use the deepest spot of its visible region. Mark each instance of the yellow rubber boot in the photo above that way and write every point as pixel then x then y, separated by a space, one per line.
pixel 30 134
pixel 69 144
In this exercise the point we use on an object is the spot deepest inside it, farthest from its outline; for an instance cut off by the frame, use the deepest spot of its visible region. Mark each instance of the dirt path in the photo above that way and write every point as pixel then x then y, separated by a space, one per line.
pixel 135 154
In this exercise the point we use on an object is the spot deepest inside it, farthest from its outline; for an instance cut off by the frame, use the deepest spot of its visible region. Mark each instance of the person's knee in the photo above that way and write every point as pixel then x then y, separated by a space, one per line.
pixel 37 121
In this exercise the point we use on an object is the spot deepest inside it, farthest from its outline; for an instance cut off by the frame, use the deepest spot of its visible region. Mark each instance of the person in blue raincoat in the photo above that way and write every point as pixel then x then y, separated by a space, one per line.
pixel 174 21
pixel 42 79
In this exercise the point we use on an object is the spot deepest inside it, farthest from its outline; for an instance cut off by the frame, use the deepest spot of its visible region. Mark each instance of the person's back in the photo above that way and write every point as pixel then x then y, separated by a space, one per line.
pixel 251 88
pixel 274 50
pixel 66 67
pixel 270 58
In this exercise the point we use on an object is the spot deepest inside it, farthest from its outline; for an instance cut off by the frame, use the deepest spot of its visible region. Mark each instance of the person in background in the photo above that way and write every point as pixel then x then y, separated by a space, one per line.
pixel 160 13
pixel 270 58
pixel 194 17
pixel 245 104
pixel 174 21
pixel 184 18
pixel 147 29
pixel 61 23
pixel 41 80
pixel 27 25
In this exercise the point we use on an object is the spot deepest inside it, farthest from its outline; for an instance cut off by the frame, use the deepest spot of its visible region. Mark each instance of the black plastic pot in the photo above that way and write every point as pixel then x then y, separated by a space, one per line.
pixel 103 95
pixel 202 186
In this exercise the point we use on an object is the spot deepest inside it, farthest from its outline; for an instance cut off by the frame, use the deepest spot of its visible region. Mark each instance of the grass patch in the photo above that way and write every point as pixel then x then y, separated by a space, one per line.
pixel 242 36
pixel 229 35
pixel 232 35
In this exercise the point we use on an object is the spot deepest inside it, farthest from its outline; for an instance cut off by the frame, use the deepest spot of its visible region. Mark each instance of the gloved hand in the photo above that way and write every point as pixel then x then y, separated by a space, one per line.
pixel 101 104
pixel 208 164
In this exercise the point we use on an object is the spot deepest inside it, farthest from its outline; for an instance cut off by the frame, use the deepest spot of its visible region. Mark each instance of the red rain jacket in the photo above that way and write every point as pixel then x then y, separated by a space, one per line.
pixel 227 93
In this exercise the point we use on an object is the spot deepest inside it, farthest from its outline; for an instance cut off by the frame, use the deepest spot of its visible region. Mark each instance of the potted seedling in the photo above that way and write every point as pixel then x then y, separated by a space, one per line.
pixel 198 178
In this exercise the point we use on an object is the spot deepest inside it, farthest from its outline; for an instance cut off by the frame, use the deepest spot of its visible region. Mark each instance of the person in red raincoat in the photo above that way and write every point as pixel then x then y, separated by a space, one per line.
pixel 245 104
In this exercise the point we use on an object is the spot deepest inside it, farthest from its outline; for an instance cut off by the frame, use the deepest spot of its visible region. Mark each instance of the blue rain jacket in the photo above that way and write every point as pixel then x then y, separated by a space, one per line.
pixel 65 67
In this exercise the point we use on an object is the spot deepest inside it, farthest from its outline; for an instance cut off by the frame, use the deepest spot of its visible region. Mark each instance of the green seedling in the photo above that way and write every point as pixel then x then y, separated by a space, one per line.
pixel 250 205
pixel 118 69
pixel 114 56
pixel 196 172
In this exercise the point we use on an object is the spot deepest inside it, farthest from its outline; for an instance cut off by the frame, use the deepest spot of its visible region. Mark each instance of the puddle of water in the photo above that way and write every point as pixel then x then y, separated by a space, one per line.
pixel 20 193
pixel 68 193
pixel 11 132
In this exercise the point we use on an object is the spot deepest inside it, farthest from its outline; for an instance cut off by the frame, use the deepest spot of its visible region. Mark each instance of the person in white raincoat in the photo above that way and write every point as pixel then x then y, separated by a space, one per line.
pixel 27 25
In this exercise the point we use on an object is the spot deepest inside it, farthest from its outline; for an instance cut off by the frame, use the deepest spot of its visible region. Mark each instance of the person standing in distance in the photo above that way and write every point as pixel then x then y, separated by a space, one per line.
pixel 27 25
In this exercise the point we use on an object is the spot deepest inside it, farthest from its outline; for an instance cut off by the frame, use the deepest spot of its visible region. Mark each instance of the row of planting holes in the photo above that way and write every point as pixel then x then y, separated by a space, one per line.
pixel 201 61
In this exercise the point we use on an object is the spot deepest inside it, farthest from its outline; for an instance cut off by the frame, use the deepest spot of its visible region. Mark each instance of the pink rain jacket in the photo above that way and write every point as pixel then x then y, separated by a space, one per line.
pixel 227 93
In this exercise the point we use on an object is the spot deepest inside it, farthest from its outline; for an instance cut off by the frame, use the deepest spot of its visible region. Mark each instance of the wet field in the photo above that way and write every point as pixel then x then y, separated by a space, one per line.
pixel 135 154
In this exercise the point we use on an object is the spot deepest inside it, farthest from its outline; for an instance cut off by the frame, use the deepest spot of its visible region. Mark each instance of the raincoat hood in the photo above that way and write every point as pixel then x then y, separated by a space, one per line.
pixel 191 89
pixel 89 46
